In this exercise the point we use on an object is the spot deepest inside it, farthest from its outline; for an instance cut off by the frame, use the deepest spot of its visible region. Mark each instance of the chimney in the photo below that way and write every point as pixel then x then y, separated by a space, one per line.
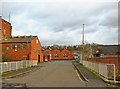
pixel 31 36
pixel 24 36
pixel 18 36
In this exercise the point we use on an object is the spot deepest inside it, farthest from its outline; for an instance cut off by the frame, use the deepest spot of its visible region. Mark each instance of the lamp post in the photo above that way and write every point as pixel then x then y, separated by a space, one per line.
pixel 83 44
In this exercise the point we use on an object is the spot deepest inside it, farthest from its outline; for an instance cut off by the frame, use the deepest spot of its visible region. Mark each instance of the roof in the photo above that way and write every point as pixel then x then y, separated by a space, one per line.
pixel 4 20
pixel 16 39
pixel 111 49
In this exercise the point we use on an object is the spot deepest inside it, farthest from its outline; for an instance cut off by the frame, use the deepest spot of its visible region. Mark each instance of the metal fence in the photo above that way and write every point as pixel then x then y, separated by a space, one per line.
pixel 105 70
pixel 9 66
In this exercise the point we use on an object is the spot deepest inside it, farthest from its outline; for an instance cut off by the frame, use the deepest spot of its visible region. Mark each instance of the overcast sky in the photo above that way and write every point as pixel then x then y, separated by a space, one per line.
pixel 60 21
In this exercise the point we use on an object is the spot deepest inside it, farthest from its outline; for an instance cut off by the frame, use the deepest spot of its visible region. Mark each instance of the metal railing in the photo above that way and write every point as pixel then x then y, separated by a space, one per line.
pixel 9 66
pixel 105 70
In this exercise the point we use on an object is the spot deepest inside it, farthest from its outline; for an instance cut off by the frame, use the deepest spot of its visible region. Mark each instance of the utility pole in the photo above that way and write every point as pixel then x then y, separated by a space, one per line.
pixel 83 44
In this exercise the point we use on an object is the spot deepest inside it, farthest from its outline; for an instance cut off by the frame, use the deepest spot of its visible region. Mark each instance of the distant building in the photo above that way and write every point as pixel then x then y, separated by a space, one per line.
pixel 66 54
pixel 16 48
pixel 108 51
pixel 57 54
pixel 47 54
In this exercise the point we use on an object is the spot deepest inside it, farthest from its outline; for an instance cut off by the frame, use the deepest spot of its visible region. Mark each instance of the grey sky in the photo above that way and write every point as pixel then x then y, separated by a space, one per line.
pixel 60 22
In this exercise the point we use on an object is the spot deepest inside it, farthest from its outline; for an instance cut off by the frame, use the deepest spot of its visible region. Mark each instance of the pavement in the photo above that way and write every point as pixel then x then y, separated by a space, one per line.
pixel 89 75
pixel 90 78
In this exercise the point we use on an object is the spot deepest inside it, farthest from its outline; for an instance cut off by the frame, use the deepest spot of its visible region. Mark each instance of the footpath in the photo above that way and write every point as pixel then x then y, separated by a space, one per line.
pixel 91 79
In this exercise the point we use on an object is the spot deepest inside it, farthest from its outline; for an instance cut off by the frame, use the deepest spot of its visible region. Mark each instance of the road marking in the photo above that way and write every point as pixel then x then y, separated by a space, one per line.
pixel 78 76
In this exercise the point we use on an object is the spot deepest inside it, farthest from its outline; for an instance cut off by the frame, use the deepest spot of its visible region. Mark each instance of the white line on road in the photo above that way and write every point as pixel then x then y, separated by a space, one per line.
pixel 78 76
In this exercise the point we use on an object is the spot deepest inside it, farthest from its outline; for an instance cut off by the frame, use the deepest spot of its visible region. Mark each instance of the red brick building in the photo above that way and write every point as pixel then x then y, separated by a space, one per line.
pixel 66 54
pixel 57 54
pixel 22 48
pixel 5 28
pixel 47 54
pixel 19 47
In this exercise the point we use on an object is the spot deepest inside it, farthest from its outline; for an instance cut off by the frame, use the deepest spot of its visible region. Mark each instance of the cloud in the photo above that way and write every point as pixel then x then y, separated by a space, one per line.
pixel 61 22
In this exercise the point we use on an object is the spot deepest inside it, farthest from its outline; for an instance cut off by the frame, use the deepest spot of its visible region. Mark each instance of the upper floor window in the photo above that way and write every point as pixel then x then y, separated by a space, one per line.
pixel 7 47
pixel 13 46
pixel 37 41
pixel 24 46
pixel 56 55
pixel 18 46
pixel 4 31
pixel 34 50
pixel 65 55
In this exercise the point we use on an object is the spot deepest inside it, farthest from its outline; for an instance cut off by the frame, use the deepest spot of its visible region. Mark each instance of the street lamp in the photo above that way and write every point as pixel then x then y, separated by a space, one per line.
pixel 83 44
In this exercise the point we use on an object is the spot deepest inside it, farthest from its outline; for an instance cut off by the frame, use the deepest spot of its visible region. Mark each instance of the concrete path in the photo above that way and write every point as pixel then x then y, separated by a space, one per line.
pixel 92 79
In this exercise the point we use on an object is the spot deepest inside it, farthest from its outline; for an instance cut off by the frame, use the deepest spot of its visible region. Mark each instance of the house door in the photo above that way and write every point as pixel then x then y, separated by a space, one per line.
pixel 38 58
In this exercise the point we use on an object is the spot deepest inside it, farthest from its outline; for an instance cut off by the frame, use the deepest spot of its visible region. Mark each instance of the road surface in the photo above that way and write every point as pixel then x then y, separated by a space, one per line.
pixel 52 74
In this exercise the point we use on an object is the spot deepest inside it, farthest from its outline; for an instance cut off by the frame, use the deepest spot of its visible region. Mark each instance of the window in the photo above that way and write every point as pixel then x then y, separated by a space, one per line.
pixel 34 51
pixel 65 55
pixel 7 47
pixel 56 55
pixel 24 46
pixel 38 51
pixel 13 46
pixel 37 41
pixel 18 46
pixel 4 31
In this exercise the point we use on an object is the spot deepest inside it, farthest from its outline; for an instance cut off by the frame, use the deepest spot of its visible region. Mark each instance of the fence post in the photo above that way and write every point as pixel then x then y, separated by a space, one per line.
pixel 114 74
pixel 10 66
pixel 26 63
pixel 16 65
pixel 1 68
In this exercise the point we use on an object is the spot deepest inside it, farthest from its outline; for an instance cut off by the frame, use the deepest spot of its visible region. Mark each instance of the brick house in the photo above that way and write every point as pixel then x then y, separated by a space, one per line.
pixel 22 48
pixel 66 54
pixel 57 54
pixel 16 48
pixel 47 54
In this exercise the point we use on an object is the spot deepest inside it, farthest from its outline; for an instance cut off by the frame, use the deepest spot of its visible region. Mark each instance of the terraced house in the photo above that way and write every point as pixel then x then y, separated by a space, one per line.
pixel 58 54
pixel 16 48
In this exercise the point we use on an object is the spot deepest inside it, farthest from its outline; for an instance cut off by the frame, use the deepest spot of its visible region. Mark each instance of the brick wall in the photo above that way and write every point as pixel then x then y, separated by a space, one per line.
pixel 108 60
pixel 4 25
pixel 16 54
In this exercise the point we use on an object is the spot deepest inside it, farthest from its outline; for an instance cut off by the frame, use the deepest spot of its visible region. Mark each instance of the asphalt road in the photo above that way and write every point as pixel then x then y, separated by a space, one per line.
pixel 52 74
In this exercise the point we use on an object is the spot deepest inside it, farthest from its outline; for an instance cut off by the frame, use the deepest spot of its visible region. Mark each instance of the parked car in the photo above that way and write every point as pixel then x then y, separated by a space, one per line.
pixel 46 60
